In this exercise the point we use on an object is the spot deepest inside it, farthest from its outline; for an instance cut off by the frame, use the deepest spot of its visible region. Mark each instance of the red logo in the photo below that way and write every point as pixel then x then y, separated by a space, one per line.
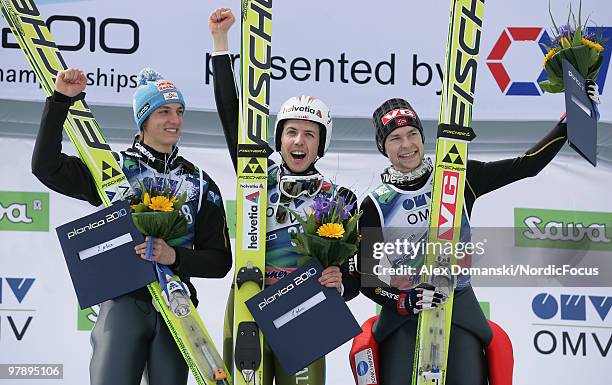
pixel 397 112
pixel 448 204
pixel 401 122
pixel 253 197
pixel 170 95
pixel 163 85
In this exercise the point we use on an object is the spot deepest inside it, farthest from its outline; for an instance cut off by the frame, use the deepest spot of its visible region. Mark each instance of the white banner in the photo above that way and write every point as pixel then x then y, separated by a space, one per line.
pixel 560 335
pixel 352 54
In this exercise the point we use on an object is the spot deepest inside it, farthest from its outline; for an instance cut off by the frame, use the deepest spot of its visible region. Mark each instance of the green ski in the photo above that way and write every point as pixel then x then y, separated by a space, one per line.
pixel 251 190
pixel 37 43
pixel 454 134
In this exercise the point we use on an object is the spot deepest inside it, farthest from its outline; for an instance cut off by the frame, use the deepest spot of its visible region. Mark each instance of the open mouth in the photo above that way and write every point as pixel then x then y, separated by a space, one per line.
pixel 408 155
pixel 171 130
pixel 298 155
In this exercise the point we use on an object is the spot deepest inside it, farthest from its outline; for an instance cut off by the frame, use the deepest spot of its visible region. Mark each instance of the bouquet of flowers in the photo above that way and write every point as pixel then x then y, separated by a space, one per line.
pixel 330 231
pixel 158 213
pixel 577 44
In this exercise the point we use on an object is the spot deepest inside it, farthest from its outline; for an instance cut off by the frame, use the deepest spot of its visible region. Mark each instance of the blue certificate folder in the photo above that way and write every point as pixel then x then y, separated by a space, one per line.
pixel 99 252
pixel 581 115
pixel 302 320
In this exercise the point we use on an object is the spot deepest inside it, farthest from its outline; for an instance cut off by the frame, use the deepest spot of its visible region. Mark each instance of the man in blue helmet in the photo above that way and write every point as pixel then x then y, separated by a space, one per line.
pixel 129 333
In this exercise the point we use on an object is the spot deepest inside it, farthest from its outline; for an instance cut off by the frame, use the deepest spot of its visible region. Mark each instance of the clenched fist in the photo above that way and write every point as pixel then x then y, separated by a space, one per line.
pixel 70 82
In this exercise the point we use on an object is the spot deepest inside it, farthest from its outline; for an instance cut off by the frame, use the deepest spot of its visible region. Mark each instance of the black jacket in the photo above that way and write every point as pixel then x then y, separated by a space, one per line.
pixel 211 254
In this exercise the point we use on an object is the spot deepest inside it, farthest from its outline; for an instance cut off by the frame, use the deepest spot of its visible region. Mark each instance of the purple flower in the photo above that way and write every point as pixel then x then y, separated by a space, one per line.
pixel 588 34
pixel 321 206
pixel 564 31
pixel 346 211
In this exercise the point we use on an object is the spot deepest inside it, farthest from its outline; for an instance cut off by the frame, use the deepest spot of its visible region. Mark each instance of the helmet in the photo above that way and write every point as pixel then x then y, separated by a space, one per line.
pixel 305 108
pixel 390 115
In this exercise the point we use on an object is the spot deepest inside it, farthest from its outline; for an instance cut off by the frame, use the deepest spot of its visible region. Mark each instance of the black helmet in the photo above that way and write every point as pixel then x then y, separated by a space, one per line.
pixel 390 115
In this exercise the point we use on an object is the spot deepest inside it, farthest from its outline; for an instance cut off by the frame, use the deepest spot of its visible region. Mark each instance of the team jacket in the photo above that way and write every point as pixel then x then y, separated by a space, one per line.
pixel 280 258
pixel 392 206
pixel 204 252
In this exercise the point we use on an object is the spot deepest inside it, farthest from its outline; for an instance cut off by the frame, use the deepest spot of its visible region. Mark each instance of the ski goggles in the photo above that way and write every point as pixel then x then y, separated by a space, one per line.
pixel 294 186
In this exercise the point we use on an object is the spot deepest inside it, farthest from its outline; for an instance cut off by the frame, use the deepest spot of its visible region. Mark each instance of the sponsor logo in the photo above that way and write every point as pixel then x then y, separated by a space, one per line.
pixel 306 109
pixel 416 201
pixel 109 172
pixel 312 272
pixel 362 368
pixel 90 226
pixel 144 109
pixel 571 307
pixel 251 185
pixel 578 82
pixel 214 198
pixel 395 113
pixel 24 211
pixel 144 151
pixel 539 36
pixel 257 75
pixel 86 318
pixel 254 197
pixel 163 85
pixel 572 325
pixel 448 204
pixel 276 274
pixel 563 229
pixel 382 292
pixel 171 95
pixel 253 167
pixel 13 310
pixel 364 365
pixel 464 77
pixel 453 156
pixel 251 218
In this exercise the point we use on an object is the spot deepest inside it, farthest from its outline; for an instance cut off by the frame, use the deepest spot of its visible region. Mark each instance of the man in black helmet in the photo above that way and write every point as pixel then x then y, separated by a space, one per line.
pixel 402 202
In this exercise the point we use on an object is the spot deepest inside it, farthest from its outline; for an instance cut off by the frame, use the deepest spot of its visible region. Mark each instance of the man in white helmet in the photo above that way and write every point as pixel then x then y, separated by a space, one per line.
pixel 302 134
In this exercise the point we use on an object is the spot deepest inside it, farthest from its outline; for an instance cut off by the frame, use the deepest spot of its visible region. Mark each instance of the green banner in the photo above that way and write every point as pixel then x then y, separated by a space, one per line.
pixel 230 214
pixel 562 229
pixel 24 211
pixel 86 319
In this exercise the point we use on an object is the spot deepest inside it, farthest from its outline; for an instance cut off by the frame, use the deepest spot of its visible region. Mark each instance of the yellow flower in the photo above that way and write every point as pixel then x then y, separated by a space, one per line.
pixel 331 230
pixel 160 203
pixel 550 54
pixel 565 43
pixel 592 44
pixel 147 199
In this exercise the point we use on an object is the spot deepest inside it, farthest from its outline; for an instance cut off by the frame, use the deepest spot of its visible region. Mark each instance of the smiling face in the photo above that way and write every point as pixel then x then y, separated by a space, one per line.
pixel 404 147
pixel 299 144
pixel 162 128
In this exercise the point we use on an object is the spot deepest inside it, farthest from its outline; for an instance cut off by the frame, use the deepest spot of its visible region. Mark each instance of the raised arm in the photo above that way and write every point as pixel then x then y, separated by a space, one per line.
pixel 64 174
pixel 226 94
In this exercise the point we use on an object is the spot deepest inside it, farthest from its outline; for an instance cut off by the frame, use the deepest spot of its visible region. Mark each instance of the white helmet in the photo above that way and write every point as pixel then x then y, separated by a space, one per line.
pixel 305 108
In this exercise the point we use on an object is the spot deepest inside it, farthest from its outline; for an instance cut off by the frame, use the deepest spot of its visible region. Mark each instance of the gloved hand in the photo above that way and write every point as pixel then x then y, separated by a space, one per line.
pixel 592 90
pixel 422 297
